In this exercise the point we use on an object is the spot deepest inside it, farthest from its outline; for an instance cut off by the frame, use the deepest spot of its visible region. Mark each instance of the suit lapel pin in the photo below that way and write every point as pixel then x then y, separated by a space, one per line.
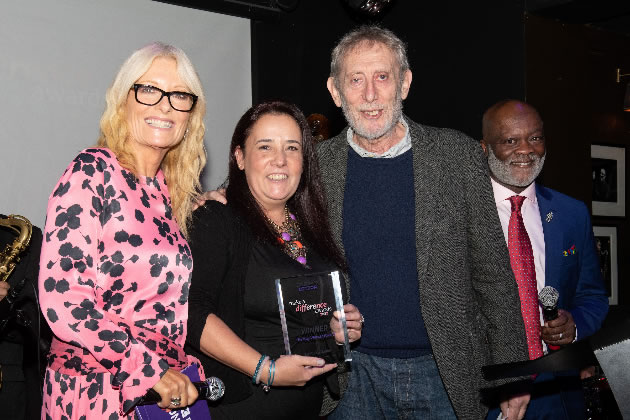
pixel 549 216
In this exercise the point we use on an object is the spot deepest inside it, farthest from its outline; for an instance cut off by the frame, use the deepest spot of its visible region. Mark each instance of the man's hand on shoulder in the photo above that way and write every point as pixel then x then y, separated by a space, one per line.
pixel 4 289
pixel 514 407
pixel 216 195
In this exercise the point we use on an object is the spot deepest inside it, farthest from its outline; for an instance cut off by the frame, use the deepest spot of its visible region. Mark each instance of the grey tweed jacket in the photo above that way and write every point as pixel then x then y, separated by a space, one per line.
pixel 468 295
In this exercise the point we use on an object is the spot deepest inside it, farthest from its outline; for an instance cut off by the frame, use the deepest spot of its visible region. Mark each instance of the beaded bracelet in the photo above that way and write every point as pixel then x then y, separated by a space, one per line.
pixel 272 375
pixel 261 361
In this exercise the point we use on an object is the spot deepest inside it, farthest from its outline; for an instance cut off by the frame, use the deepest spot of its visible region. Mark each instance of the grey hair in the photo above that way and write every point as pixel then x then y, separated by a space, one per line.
pixel 370 35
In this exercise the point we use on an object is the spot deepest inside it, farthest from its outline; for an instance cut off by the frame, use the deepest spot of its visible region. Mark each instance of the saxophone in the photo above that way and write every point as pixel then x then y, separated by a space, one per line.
pixel 10 256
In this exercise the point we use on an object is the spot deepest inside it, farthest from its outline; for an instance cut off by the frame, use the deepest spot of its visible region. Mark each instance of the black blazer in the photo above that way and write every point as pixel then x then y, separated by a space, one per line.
pixel 223 298
pixel 221 244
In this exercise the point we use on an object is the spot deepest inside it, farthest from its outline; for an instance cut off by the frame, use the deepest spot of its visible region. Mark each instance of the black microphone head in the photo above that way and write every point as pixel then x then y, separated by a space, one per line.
pixel 215 389
pixel 548 297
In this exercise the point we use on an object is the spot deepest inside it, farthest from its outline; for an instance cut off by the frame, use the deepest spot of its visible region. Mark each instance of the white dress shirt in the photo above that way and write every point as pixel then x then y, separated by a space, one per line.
pixel 531 219
pixel 533 226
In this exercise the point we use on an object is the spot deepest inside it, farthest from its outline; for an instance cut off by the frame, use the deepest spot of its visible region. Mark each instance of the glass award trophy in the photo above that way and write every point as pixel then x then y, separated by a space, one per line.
pixel 306 305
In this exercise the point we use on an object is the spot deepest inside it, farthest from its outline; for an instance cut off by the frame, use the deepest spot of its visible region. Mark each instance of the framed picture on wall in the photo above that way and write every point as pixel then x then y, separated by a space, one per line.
pixel 608 164
pixel 606 245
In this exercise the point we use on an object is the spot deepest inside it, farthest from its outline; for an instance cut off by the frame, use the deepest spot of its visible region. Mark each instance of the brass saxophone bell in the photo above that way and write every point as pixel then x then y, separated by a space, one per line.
pixel 9 257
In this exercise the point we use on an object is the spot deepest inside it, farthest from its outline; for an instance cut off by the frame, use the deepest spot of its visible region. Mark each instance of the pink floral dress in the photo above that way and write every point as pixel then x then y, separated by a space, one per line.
pixel 114 278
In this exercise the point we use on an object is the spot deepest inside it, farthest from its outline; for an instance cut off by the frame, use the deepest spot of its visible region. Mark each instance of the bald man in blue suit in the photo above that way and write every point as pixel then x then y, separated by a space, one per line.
pixel 561 236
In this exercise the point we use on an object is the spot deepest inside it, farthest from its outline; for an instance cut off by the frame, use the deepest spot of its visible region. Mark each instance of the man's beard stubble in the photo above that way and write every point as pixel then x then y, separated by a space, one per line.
pixel 355 123
pixel 502 171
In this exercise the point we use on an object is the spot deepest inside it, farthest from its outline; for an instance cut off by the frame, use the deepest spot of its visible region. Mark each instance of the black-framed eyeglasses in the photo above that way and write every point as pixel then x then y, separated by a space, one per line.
pixel 151 95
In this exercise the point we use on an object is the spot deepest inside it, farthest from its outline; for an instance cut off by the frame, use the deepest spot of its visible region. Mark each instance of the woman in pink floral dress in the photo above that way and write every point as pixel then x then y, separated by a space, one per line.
pixel 115 264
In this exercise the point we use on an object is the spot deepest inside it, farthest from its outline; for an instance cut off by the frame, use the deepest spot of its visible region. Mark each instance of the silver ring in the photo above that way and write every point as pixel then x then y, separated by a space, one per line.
pixel 362 320
pixel 176 402
pixel 560 336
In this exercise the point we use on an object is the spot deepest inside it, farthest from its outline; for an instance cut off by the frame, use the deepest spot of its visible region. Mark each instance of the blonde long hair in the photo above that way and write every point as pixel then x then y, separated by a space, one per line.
pixel 182 164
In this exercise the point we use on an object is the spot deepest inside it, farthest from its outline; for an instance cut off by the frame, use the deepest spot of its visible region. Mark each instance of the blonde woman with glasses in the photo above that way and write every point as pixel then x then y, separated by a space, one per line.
pixel 115 263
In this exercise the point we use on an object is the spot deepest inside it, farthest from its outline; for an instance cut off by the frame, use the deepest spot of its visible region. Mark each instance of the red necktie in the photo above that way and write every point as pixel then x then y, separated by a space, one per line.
pixel 522 261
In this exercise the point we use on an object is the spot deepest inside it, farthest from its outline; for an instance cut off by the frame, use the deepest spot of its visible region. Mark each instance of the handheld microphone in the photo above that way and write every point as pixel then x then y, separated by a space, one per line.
pixel 548 298
pixel 211 389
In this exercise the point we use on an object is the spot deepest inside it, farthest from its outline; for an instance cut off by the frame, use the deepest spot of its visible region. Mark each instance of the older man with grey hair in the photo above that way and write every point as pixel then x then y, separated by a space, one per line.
pixel 411 207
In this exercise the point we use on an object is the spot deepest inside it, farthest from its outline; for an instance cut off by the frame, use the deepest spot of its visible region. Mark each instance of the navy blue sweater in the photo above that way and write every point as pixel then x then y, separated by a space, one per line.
pixel 380 243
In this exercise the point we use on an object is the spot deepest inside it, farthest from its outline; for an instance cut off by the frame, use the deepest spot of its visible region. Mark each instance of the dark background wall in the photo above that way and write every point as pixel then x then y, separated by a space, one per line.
pixel 464 56
pixel 570 78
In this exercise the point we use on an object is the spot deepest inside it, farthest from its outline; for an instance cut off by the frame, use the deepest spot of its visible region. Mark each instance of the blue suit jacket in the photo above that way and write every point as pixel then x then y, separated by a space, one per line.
pixel 572 267
pixel 571 262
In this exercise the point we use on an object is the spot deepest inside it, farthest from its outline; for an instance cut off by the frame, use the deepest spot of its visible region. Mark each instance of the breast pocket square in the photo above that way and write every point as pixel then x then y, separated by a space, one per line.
pixel 570 251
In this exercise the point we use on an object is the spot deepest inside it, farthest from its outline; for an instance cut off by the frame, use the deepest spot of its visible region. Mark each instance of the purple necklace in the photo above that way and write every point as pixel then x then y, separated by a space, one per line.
pixel 290 237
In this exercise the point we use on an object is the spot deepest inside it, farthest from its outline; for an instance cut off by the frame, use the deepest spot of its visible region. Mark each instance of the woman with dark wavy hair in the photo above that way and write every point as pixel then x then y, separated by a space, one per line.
pixel 275 225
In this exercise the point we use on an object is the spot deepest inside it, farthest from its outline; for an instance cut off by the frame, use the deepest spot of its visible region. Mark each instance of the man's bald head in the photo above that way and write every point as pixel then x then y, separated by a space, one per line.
pixel 504 109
